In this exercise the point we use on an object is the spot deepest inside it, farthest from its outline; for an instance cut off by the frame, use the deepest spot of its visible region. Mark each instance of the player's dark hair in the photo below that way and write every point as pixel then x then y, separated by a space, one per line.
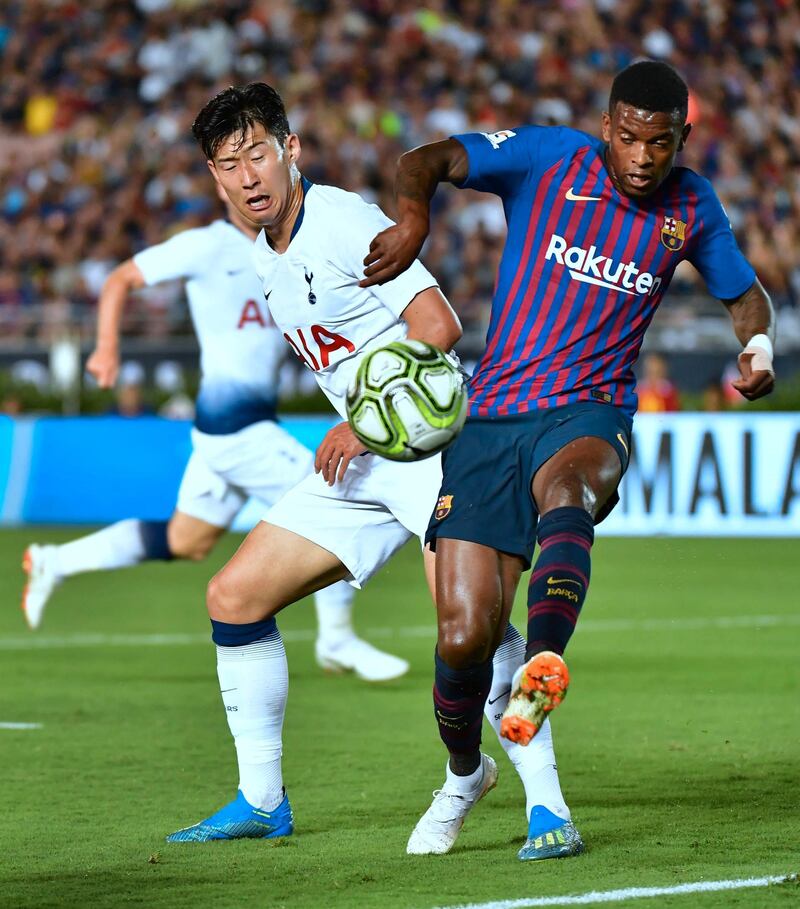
pixel 235 110
pixel 650 85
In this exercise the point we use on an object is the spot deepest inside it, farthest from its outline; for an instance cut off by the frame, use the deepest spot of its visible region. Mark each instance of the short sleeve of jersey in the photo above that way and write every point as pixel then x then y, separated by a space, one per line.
pixel 364 221
pixel 716 255
pixel 501 162
pixel 183 256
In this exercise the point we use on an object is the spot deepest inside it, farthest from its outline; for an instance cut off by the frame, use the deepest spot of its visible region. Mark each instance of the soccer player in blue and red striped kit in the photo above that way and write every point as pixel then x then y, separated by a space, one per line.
pixel 596 228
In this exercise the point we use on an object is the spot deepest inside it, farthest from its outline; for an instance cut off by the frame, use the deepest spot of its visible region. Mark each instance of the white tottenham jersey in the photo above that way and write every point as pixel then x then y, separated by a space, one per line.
pixel 240 348
pixel 312 289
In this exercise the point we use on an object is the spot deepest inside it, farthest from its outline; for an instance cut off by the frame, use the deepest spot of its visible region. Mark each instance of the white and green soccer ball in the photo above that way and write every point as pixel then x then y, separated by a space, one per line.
pixel 407 401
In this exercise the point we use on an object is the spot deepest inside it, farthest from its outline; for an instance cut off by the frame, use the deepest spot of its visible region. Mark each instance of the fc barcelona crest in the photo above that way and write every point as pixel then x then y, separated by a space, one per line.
pixel 443 507
pixel 673 233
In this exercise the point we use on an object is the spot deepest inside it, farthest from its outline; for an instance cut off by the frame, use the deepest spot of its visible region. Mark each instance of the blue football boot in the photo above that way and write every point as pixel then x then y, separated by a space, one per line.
pixel 549 836
pixel 239 820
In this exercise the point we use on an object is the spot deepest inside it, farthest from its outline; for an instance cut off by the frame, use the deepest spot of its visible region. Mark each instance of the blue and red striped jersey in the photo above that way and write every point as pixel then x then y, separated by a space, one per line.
pixel 584 267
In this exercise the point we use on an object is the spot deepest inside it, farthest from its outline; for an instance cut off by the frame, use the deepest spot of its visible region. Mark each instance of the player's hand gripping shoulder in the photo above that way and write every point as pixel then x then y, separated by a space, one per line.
pixel 336 451
pixel 419 172
pixel 754 323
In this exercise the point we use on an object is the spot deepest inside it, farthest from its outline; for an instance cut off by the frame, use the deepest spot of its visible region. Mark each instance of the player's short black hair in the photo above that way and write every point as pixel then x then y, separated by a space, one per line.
pixel 650 85
pixel 234 110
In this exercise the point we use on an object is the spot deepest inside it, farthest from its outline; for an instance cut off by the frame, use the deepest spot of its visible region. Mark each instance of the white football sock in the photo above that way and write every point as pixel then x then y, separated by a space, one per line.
pixel 464 785
pixel 535 762
pixel 254 682
pixel 334 606
pixel 115 546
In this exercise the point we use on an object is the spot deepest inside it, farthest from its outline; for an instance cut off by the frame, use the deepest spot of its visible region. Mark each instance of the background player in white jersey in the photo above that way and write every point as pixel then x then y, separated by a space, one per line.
pixel 239 450
pixel 346 520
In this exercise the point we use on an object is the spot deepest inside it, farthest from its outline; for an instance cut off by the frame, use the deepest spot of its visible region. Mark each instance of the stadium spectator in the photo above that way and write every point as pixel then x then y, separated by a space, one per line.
pixel 714 397
pixel 657 394
pixel 94 94
pixel 10 405
pixel 129 401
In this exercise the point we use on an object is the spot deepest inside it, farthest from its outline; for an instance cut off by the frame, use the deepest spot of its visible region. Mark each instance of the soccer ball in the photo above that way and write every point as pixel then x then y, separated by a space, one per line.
pixel 407 401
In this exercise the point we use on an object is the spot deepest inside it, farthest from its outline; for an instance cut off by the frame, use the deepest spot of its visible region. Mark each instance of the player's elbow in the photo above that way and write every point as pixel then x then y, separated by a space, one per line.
pixel 440 161
pixel 451 331
pixel 126 276
pixel 444 335
pixel 412 159
pixel 432 319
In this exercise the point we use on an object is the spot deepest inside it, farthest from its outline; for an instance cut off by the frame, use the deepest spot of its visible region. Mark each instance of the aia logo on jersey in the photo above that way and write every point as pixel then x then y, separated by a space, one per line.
pixel 673 233
pixel 312 297
pixel 251 314
pixel 316 345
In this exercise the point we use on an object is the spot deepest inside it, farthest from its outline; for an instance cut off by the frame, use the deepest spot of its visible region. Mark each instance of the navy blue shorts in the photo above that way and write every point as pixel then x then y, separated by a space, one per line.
pixel 486 492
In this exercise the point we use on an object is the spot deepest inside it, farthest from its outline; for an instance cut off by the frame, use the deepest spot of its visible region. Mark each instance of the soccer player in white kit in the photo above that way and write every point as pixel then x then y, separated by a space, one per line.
pixel 346 520
pixel 239 450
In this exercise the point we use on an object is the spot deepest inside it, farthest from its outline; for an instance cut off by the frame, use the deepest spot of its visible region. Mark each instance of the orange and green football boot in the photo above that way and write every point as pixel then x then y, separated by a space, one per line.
pixel 538 687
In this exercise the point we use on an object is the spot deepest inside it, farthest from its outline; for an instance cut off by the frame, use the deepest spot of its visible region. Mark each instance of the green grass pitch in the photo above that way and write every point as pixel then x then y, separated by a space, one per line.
pixel 678 745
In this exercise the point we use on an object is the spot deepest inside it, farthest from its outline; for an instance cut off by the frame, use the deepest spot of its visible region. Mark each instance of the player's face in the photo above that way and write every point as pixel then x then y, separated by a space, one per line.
pixel 642 146
pixel 258 175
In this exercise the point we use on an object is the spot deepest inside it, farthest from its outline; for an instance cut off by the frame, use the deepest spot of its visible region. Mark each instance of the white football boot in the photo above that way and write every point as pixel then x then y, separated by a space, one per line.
pixel 355 655
pixel 39 562
pixel 438 828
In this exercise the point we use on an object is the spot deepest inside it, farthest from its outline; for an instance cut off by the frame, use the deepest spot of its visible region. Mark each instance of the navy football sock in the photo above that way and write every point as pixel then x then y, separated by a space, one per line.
pixel 154 540
pixel 458 700
pixel 226 634
pixel 560 578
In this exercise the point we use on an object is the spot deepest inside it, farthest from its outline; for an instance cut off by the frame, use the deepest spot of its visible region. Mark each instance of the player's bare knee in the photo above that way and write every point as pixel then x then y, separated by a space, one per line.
pixel 195 547
pixel 191 550
pixel 224 601
pixel 200 550
pixel 464 644
pixel 569 491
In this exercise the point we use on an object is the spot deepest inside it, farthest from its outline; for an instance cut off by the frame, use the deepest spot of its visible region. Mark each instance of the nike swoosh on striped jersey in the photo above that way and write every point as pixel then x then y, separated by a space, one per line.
pixel 571 197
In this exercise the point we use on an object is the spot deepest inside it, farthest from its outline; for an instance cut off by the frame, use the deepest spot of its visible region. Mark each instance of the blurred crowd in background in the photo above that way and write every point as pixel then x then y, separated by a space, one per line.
pixel 97 159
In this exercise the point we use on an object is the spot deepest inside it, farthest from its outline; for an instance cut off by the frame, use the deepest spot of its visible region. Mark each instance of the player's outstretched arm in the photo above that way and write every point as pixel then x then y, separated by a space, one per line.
pixel 103 363
pixel 754 323
pixel 419 172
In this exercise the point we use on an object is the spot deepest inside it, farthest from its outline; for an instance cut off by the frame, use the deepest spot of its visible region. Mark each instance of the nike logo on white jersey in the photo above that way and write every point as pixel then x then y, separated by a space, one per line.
pixel 571 197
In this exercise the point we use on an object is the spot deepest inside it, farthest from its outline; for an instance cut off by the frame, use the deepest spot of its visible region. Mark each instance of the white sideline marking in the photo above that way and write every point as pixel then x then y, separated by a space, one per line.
pixel 629 893
pixel 304 635
pixel 20 725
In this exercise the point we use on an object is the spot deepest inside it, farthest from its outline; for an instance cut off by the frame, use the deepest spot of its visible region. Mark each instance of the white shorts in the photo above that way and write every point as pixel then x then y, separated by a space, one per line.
pixel 367 517
pixel 262 460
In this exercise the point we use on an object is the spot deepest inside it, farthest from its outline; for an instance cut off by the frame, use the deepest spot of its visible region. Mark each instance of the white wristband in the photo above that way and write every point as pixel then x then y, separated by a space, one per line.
pixel 759 350
pixel 764 343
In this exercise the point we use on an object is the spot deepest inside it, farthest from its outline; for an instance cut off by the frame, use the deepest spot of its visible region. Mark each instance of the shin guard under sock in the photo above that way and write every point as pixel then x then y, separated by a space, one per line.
pixel 458 699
